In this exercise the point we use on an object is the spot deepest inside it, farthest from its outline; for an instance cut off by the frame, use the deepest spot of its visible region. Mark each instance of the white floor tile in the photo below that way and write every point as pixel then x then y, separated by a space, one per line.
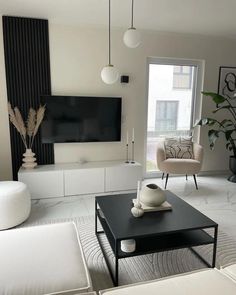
pixel 216 198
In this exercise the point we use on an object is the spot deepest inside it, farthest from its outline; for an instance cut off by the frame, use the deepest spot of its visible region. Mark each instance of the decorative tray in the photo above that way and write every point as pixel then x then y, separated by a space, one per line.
pixel 163 207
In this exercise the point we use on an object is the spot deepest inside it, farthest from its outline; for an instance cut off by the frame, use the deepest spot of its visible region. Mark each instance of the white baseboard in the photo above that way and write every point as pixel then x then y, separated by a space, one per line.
pixel 202 173
pixel 214 172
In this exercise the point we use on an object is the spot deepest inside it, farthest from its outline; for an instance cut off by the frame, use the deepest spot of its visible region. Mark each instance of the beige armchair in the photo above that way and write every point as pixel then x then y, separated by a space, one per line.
pixel 179 166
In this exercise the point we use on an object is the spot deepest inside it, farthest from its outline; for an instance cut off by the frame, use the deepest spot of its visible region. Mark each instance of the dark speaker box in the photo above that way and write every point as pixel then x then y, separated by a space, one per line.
pixel 124 79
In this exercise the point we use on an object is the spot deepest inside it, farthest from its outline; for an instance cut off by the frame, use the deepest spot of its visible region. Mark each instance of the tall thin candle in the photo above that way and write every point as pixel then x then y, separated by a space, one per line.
pixel 138 192
pixel 127 139
pixel 133 135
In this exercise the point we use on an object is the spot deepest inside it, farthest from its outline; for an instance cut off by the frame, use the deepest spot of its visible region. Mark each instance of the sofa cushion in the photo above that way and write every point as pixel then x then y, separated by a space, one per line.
pixel 230 270
pixel 179 147
pixel 203 282
pixel 41 260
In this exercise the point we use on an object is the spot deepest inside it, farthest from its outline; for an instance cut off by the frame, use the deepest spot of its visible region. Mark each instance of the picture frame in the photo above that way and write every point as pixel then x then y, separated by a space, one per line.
pixel 227 81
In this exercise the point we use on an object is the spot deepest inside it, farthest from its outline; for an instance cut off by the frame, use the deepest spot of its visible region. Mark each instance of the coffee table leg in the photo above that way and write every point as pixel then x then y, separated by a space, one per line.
pixel 215 246
pixel 96 218
pixel 116 281
pixel 214 250
pixel 113 272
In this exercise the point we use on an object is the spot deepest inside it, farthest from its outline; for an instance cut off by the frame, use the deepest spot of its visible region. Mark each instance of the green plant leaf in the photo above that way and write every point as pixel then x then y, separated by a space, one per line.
pixel 198 123
pixel 228 145
pixel 217 98
pixel 228 134
pixel 223 107
pixel 226 123
pixel 211 122
pixel 206 121
pixel 213 135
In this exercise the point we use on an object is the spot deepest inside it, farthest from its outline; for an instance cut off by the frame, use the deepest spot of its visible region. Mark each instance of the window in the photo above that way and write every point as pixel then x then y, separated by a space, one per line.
pixel 172 105
pixel 182 77
pixel 166 115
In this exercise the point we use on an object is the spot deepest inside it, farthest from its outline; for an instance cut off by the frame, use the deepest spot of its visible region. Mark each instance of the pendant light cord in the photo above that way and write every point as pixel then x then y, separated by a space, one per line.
pixel 109 34
pixel 132 14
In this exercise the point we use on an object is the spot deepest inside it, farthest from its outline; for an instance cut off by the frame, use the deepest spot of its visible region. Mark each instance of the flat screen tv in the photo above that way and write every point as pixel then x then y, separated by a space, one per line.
pixel 81 119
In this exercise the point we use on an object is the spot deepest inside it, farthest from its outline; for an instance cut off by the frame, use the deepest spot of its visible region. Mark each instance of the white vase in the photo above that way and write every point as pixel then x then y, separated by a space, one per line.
pixel 29 159
pixel 152 195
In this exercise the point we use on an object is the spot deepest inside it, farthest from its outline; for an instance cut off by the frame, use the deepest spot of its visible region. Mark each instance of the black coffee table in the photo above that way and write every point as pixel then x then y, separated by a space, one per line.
pixel 183 227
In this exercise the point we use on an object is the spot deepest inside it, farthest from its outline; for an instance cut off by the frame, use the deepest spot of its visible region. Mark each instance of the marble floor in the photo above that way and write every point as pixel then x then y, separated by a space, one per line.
pixel 216 198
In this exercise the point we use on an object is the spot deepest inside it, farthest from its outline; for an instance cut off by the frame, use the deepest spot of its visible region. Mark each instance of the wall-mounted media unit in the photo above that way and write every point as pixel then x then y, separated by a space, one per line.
pixel 81 119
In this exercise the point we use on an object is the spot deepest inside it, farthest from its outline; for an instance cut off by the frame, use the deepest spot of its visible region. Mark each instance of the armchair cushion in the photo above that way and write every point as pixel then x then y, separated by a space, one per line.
pixel 179 147
pixel 180 166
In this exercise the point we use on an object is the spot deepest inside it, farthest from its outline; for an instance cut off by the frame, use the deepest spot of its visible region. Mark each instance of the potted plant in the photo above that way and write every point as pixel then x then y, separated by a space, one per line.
pixel 226 127
pixel 27 130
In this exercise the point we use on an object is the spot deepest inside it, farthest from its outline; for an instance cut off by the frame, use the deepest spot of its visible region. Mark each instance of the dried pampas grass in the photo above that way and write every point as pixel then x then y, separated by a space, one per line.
pixel 20 122
pixel 31 121
pixel 12 118
pixel 17 121
pixel 34 120
pixel 40 115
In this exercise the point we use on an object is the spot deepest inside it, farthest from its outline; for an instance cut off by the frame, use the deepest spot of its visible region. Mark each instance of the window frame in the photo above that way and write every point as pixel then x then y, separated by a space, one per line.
pixel 196 97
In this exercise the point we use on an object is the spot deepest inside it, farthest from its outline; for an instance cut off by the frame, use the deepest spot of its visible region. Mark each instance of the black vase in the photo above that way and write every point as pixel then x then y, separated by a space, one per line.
pixel 232 167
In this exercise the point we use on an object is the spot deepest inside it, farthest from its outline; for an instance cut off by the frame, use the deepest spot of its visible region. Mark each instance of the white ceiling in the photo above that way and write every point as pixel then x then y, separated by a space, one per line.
pixel 208 17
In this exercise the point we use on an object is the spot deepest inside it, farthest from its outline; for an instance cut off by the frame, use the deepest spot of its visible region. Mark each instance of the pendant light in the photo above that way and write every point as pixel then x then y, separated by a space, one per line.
pixel 132 37
pixel 109 73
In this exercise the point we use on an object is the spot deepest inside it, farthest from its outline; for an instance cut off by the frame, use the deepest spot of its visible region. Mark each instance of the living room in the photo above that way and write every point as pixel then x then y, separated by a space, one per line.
pixel 55 50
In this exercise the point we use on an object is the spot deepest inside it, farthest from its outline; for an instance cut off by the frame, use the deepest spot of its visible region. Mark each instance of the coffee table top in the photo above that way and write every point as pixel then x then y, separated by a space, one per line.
pixel 122 224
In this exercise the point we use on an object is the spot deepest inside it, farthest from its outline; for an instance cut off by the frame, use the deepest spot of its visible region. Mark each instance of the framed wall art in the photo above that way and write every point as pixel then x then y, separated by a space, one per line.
pixel 227 81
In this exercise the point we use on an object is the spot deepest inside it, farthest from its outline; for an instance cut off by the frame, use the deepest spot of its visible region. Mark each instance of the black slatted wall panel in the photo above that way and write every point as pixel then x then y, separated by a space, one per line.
pixel 27 62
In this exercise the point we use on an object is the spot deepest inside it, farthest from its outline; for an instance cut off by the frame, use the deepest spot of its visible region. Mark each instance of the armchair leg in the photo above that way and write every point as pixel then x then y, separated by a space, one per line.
pixel 167 176
pixel 163 174
pixel 195 180
pixel 186 177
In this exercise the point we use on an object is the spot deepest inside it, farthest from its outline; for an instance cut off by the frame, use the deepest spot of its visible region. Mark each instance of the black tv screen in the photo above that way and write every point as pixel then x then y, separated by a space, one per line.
pixel 81 119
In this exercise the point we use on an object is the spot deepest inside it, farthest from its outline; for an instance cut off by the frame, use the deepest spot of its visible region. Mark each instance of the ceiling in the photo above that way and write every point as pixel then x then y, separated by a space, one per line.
pixel 207 17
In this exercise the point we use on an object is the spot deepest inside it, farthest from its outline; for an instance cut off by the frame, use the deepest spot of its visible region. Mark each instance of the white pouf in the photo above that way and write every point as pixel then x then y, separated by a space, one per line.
pixel 15 203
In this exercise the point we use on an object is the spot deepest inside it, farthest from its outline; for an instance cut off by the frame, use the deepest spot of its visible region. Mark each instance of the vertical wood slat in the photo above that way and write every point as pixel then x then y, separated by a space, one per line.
pixel 27 62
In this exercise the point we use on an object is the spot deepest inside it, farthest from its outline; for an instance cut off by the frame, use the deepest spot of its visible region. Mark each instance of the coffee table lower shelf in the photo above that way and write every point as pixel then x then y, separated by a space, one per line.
pixel 154 244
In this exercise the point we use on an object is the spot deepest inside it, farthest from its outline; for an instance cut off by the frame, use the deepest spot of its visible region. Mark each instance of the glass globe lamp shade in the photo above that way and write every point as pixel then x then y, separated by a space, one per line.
pixel 132 38
pixel 109 74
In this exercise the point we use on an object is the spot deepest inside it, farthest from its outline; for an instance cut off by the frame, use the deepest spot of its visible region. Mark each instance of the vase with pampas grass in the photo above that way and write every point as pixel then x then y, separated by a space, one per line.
pixel 27 130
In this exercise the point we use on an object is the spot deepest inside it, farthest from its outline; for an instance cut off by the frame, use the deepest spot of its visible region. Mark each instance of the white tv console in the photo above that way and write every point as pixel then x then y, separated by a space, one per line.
pixel 61 180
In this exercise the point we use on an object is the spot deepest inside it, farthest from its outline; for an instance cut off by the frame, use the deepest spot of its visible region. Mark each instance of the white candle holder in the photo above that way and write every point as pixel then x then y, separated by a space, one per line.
pixel 127 153
pixel 132 155
pixel 137 210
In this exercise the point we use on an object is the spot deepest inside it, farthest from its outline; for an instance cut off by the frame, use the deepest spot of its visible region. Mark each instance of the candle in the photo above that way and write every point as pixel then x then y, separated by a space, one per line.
pixel 127 140
pixel 133 135
pixel 138 191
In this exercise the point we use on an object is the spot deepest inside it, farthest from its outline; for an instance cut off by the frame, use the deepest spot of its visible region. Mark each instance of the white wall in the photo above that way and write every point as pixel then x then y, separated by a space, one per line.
pixel 77 57
pixel 5 149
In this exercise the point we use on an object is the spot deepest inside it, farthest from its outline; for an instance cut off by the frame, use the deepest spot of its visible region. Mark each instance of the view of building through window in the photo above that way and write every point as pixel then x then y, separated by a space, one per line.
pixel 170 105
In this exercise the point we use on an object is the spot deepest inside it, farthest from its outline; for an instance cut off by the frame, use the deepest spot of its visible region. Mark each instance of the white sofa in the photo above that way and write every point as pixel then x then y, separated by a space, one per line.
pixel 49 260
pixel 203 282
pixel 46 259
